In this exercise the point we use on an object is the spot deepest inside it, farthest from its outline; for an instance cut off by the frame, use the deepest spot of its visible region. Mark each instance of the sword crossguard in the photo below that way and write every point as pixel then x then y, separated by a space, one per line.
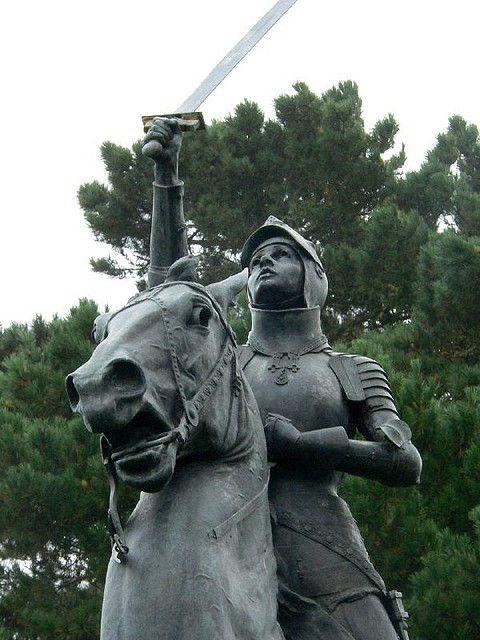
pixel 186 121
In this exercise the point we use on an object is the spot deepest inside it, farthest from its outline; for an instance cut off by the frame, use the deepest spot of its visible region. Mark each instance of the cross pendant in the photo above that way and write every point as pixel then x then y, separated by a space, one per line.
pixel 282 364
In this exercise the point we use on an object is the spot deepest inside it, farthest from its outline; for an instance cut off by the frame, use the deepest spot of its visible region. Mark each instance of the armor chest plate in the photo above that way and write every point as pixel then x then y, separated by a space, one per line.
pixel 311 398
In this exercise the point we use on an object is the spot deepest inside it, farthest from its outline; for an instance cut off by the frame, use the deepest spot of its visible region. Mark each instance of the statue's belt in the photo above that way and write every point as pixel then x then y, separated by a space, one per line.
pixel 328 539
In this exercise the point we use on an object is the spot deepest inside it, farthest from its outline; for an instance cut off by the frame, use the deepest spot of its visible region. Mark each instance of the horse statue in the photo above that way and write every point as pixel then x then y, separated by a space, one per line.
pixel 180 423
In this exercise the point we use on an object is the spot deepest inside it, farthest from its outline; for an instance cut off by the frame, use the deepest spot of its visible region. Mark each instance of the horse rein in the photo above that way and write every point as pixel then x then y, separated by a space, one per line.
pixel 190 417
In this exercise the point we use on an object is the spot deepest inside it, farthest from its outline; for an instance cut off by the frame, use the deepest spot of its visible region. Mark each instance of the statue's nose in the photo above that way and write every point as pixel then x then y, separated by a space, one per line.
pixel 72 393
pixel 266 259
pixel 126 377
pixel 104 397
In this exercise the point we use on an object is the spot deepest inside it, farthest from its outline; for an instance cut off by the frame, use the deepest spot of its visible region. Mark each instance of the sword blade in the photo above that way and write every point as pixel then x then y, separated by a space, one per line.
pixel 239 51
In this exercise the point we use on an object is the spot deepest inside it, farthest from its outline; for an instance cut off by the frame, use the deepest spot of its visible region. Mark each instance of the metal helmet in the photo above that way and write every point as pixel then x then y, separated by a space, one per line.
pixel 315 286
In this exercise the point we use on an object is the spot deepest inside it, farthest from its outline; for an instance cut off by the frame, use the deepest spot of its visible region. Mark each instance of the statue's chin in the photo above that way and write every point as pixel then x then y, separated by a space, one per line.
pixel 150 470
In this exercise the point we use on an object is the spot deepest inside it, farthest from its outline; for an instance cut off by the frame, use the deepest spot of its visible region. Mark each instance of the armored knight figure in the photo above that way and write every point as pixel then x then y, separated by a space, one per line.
pixel 312 401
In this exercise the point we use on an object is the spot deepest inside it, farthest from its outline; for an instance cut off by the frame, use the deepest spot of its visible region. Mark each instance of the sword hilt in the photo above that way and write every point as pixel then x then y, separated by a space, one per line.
pixel 186 121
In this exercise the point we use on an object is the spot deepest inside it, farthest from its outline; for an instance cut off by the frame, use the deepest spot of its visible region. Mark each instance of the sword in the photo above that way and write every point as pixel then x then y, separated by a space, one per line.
pixel 187 115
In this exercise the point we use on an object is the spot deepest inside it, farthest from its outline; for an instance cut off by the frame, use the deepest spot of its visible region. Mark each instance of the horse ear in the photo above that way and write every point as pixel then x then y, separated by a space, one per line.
pixel 183 270
pixel 226 291
pixel 99 327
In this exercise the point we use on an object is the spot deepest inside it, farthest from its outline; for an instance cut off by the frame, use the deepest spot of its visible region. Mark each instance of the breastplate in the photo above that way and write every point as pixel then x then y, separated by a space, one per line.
pixel 312 397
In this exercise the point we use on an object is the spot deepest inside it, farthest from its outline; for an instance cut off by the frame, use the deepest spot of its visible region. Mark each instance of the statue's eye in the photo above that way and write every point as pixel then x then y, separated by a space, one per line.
pixel 200 316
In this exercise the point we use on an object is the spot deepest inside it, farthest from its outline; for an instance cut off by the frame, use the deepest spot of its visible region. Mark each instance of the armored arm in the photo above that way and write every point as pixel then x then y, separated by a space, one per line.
pixel 384 461
pixel 388 455
pixel 168 238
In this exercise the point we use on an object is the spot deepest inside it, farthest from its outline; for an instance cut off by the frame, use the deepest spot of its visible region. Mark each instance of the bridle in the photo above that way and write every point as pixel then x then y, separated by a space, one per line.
pixel 192 407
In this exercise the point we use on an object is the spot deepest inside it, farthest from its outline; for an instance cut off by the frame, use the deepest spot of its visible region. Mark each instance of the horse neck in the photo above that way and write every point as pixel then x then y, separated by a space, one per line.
pixel 238 465
pixel 232 419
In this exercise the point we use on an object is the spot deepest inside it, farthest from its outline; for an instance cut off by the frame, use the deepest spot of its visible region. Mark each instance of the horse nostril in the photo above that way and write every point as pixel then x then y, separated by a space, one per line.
pixel 126 376
pixel 72 392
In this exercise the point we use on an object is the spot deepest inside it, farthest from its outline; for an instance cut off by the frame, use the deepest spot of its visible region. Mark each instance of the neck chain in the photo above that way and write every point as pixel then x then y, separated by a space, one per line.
pixel 286 361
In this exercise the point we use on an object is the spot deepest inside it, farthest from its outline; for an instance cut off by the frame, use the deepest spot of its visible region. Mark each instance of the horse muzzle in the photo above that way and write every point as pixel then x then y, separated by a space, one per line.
pixel 108 399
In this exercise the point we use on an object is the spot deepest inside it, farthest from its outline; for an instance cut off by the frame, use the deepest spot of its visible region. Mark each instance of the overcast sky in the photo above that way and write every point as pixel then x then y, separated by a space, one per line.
pixel 77 73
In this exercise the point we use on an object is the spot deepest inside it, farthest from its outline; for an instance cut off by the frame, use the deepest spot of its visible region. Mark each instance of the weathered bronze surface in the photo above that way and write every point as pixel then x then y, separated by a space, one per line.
pixel 313 401
pixel 197 557
pixel 328 588
pixel 181 424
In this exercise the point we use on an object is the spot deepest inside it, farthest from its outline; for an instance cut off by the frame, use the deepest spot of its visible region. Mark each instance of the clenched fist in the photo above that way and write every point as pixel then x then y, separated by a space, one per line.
pixel 281 437
pixel 162 143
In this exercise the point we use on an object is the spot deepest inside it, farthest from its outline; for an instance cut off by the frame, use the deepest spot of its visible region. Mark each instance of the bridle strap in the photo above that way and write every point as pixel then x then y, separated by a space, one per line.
pixel 192 407
pixel 151 294
pixel 114 523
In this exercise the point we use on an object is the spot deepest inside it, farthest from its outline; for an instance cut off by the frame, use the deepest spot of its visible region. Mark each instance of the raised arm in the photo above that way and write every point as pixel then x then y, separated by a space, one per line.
pixel 168 238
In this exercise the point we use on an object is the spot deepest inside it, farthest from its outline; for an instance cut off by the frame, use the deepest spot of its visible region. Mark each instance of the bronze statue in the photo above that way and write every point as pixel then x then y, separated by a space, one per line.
pixel 180 423
pixel 312 401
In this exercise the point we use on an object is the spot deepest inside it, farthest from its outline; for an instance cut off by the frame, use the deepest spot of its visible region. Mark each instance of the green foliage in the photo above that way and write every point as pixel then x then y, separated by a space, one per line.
pixel 53 545
pixel 315 166
pixel 35 363
pixel 440 400
pixel 447 308
pixel 446 591
pixel 448 183
pixel 120 215
pixel 373 284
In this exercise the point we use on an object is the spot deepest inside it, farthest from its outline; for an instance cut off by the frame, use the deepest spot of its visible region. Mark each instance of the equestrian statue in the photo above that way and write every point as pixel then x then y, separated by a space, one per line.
pixel 144 378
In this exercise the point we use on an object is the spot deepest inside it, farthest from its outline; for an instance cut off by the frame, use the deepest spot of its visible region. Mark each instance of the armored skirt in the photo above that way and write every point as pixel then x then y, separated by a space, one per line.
pixel 322 562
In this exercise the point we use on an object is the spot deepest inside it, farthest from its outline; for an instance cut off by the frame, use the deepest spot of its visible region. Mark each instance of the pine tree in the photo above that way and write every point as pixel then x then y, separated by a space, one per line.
pixel 446 591
pixel 53 545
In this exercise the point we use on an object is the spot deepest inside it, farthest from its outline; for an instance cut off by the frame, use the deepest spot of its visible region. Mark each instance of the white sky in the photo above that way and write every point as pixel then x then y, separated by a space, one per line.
pixel 76 74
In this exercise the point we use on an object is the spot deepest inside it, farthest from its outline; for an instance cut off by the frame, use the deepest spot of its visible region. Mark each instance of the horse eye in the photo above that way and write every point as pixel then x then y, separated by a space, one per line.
pixel 201 315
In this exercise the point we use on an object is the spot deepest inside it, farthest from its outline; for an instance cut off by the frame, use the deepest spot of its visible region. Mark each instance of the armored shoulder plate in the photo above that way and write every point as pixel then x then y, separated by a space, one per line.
pixel 364 380
pixel 344 367
pixel 374 382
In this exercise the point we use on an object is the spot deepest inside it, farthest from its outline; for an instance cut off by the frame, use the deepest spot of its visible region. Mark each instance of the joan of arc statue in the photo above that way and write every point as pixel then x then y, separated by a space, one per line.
pixel 313 402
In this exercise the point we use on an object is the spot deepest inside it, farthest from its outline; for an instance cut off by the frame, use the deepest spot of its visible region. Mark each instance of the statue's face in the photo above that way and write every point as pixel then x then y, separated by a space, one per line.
pixel 276 274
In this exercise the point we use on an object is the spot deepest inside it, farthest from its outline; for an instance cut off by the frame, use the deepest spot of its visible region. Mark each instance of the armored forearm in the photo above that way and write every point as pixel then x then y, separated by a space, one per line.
pixel 383 461
pixel 393 461
pixel 388 456
pixel 168 239
pixel 331 449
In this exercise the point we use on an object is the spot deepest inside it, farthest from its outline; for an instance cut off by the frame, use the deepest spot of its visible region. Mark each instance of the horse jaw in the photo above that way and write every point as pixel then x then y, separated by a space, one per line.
pixel 149 470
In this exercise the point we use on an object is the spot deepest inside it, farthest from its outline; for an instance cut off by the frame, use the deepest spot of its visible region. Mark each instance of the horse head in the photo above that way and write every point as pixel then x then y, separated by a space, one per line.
pixel 149 386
